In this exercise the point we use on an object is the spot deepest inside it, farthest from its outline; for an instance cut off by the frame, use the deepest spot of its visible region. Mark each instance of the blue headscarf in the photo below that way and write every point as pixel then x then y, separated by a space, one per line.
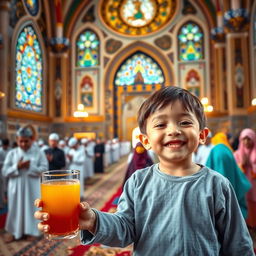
pixel 221 159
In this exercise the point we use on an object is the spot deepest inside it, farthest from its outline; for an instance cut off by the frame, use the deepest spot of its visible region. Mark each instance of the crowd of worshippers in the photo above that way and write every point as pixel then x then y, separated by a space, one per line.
pixel 21 167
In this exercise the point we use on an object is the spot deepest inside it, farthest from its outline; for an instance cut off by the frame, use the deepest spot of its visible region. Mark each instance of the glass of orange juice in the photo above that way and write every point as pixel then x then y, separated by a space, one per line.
pixel 60 193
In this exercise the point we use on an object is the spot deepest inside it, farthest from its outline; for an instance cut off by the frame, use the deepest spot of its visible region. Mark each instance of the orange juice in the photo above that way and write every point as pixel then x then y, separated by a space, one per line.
pixel 61 200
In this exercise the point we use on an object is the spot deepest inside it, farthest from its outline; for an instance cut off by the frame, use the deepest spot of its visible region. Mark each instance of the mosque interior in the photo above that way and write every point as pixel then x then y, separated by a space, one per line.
pixel 83 67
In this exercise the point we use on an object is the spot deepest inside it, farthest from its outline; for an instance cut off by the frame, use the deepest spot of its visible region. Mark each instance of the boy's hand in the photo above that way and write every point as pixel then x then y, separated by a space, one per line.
pixel 43 216
pixel 87 217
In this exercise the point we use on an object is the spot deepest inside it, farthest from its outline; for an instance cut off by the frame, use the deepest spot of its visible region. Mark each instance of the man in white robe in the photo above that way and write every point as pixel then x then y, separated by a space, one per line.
pixel 3 182
pixel 23 166
pixel 76 158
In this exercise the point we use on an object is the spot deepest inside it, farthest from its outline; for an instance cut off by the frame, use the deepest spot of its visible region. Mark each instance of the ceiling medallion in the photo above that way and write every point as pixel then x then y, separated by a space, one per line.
pixel 136 17
pixel 138 13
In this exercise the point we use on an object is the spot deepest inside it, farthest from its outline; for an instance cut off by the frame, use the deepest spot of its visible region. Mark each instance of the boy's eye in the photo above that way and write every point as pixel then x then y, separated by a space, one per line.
pixel 160 125
pixel 185 123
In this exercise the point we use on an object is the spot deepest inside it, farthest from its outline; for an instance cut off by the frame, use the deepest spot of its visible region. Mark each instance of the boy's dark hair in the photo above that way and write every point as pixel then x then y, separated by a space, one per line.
pixel 164 97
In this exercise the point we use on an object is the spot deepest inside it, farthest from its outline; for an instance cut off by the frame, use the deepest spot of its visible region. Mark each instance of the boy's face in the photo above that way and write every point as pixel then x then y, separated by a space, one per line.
pixel 173 134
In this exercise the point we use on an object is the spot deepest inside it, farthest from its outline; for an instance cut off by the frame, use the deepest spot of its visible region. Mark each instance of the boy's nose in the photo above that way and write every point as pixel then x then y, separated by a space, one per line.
pixel 173 130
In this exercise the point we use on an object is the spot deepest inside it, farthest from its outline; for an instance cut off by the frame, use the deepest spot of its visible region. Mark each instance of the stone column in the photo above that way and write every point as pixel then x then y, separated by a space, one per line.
pixel 238 78
pixel 220 92
pixel 237 73
pixel 4 64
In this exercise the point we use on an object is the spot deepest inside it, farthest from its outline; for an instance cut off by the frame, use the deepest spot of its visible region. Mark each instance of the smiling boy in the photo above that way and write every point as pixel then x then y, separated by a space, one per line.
pixel 175 207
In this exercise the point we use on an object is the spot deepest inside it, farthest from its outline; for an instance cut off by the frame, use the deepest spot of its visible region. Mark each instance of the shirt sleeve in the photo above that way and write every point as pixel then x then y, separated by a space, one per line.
pixel 114 229
pixel 233 233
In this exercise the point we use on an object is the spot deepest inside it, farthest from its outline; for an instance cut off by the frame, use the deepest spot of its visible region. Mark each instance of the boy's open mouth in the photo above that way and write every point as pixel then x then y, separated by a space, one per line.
pixel 174 144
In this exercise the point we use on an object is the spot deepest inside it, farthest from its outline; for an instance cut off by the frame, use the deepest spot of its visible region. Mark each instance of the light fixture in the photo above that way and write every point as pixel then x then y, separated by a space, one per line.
pixel 80 111
pixel 254 102
pixel 2 95
pixel 207 107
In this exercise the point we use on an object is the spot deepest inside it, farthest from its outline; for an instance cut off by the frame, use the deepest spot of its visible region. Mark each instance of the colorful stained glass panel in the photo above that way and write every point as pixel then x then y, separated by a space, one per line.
pixel 139 69
pixel 87 50
pixel 137 17
pixel 32 6
pixel 190 41
pixel 29 71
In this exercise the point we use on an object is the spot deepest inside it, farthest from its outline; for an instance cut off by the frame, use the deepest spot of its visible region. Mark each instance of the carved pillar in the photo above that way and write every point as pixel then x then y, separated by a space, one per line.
pixel 220 93
pixel 58 77
pixel 4 63
pixel 236 23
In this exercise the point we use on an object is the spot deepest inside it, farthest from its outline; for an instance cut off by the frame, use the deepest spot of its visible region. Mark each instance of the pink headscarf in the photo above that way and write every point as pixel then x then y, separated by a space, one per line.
pixel 242 150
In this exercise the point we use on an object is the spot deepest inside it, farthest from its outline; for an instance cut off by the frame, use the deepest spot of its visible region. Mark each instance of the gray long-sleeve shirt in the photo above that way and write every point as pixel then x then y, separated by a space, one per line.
pixel 167 215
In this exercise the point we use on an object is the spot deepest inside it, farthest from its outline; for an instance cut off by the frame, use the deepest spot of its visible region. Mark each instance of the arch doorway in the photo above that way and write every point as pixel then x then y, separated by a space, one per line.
pixel 131 76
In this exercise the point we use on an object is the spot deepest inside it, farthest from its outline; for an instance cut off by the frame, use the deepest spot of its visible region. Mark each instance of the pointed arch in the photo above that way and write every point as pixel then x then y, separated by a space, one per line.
pixel 28 90
pixel 139 68
pixel 86 69
pixel 118 96
pixel 190 42
pixel 139 46
pixel 87 49
pixel 197 58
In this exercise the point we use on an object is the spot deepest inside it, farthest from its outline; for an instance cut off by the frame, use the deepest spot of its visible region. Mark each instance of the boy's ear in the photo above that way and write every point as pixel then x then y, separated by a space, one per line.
pixel 203 135
pixel 144 140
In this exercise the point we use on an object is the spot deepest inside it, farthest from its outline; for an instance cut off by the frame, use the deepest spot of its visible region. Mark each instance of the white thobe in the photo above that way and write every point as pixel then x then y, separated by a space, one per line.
pixel 23 189
pixel 3 154
pixel 77 163
pixel 89 151
pixel 116 153
pixel 107 158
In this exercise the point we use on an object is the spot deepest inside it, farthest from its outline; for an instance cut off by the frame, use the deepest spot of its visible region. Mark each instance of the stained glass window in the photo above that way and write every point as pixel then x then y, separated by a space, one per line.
pixel 87 50
pixel 139 69
pixel 190 41
pixel 32 6
pixel 29 71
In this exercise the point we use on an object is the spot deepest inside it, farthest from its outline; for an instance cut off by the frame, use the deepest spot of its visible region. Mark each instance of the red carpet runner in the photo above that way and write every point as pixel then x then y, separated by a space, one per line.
pixel 110 206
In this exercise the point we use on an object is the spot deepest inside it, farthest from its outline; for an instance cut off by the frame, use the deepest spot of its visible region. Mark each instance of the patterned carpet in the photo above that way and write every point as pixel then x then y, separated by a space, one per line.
pixel 99 190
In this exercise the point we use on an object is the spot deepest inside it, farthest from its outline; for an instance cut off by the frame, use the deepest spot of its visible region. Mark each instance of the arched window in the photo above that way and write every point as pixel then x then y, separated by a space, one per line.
pixel 190 42
pixel 28 71
pixel 32 6
pixel 87 49
pixel 139 69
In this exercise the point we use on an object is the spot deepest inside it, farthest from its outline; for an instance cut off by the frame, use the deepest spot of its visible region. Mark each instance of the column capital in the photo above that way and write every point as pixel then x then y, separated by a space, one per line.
pixel 5 5
pixel 236 20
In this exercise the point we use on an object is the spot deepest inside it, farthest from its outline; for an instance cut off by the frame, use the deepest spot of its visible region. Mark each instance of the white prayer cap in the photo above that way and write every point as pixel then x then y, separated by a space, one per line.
pixel 72 142
pixel 40 142
pixel 24 132
pixel 54 136
pixel 62 142
pixel 115 140
pixel 84 140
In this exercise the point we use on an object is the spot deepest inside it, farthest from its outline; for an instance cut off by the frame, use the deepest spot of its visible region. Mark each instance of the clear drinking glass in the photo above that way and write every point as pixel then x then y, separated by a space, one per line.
pixel 60 193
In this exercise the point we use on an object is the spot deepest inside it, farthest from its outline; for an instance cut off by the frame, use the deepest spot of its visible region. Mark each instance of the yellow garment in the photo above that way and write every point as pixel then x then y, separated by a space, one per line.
pixel 221 138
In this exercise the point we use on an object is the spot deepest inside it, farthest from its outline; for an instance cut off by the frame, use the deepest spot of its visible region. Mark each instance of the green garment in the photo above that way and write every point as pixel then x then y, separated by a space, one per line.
pixel 221 159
